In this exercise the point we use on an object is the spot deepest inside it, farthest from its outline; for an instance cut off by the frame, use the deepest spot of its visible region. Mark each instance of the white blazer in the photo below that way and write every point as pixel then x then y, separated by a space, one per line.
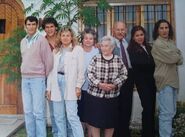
pixel 74 72
pixel 52 79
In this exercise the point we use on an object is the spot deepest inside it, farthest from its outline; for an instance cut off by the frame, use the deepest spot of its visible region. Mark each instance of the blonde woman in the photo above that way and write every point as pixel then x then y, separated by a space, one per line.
pixel 70 74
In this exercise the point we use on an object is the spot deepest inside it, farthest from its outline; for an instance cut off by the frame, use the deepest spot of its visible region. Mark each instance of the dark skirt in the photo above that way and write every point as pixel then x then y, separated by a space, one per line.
pixel 81 105
pixel 101 112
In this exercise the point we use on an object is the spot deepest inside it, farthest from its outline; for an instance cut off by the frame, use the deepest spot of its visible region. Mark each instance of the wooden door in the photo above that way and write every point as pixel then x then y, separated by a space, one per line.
pixel 11 16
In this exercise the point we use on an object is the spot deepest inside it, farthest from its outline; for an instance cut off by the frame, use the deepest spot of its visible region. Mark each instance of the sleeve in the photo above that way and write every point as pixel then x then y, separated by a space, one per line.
pixel 180 62
pixel 48 85
pixel 166 55
pixel 47 56
pixel 91 71
pixel 122 75
pixel 80 67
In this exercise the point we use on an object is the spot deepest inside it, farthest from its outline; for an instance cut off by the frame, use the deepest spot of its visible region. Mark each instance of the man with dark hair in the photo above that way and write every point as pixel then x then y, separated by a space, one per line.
pixel 49 20
pixel 37 62
pixel 50 26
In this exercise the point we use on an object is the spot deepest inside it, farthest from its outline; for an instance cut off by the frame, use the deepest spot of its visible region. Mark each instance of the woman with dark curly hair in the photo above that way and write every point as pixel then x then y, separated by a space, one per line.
pixel 167 57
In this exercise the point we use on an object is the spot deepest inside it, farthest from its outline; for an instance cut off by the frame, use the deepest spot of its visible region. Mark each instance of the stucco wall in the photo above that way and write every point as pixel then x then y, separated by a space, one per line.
pixel 180 41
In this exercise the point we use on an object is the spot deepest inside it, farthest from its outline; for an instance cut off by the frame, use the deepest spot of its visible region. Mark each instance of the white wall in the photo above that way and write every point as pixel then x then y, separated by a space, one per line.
pixel 180 41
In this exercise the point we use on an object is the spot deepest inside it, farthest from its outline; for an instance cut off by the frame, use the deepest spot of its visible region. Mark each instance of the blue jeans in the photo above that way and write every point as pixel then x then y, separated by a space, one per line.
pixel 167 98
pixel 53 124
pixel 73 118
pixel 59 115
pixel 74 127
pixel 33 95
pixel 60 118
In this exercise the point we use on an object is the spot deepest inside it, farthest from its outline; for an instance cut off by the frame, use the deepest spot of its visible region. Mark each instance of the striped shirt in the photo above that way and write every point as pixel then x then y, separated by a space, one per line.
pixel 111 71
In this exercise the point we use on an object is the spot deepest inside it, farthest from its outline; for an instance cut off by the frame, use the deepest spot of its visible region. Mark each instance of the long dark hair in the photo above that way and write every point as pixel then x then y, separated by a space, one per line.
pixel 156 27
pixel 133 45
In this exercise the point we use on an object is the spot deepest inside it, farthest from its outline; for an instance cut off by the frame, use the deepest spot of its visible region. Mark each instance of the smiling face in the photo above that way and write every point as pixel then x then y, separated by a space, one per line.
pixel 163 30
pixel 88 40
pixel 119 30
pixel 31 27
pixel 106 48
pixel 66 38
pixel 139 37
pixel 50 29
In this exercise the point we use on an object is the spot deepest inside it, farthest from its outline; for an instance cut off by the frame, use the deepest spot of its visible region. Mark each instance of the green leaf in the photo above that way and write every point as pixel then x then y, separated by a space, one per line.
pixel 103 5
pixel 11 57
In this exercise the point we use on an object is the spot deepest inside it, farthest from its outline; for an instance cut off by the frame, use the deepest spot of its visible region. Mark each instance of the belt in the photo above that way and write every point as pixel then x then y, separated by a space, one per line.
pixel 61 73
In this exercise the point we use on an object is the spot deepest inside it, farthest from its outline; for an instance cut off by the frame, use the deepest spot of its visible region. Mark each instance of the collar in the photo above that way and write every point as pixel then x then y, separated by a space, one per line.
pixel 32 37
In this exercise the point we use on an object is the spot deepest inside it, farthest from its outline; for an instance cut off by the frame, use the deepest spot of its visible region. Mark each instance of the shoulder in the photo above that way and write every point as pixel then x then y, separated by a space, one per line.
pixel 96 57
pixel 42 38
pixel 118 58
pixel 96 50
pixel 156 41
pixel 23 40
pixel 159 42
pixel 78 48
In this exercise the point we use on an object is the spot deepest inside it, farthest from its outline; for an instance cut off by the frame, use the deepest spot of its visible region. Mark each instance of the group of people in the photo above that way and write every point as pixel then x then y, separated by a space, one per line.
pixel 89 86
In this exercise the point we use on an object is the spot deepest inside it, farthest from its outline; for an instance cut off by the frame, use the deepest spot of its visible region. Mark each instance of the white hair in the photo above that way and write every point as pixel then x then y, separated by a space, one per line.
pixel 109 39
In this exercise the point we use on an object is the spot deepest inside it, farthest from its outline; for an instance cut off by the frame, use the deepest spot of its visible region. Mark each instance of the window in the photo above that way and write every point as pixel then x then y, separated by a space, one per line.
pixel 126 14
pixel 102 28
pixel 2 26
pixel 151 14
pixel 144 14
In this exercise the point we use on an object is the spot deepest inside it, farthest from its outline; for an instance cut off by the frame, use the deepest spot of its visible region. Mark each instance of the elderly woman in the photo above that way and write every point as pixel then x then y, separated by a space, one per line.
pixel 106 74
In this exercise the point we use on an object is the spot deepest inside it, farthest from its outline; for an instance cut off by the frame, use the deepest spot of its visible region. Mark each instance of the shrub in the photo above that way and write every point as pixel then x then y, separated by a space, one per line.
pixel 179 120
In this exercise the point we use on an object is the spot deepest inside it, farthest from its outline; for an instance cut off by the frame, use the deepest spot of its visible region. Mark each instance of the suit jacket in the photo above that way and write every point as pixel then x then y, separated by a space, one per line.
pixel 143 68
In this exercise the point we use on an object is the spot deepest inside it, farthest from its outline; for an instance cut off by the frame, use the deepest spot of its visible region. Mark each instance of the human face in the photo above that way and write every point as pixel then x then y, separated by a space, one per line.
pixel 66 38
pixel 31 27
pixel 139 37
pixel 106 48
pixel 163 30
pixel 119 30
pixel 50 29
pixel 88 40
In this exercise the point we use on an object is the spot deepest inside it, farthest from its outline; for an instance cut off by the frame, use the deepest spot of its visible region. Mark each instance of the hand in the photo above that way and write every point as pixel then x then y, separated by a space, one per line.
pixel 48 95
pixel 112 86
pixel 78 92
pixel 107 87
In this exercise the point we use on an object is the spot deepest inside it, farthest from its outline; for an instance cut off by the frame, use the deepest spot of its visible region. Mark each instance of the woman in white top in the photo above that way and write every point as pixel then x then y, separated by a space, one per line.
pixel 70 75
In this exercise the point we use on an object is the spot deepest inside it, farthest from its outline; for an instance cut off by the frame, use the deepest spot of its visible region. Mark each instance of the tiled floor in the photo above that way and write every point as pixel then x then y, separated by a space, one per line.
pixel 9 124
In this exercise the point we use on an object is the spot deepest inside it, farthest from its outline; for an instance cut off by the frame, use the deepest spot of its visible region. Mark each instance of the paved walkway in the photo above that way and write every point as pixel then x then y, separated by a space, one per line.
pixel 9 124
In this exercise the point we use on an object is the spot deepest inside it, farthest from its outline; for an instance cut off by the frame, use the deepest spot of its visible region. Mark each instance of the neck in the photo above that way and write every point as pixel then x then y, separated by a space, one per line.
pixel 65 46
pixel 108 57
pixel 87 48
pixel 51 38
pixel 31 35
pixel 164 38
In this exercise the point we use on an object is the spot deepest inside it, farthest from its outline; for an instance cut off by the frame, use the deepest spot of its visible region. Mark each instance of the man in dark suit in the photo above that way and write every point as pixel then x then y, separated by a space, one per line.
pixel 126 92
